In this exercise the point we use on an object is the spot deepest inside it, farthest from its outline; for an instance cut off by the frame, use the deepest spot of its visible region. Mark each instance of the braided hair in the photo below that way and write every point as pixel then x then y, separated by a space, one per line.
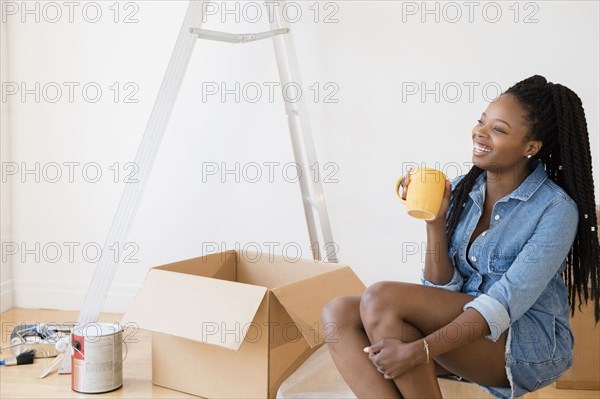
pixel 556 117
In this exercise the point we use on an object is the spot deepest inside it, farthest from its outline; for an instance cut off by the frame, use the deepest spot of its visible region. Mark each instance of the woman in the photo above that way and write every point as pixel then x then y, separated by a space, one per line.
pixel 493 307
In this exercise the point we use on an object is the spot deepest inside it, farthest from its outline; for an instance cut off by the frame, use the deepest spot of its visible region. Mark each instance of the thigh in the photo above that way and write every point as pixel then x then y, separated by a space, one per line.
pixel 482 362
pixel 428 309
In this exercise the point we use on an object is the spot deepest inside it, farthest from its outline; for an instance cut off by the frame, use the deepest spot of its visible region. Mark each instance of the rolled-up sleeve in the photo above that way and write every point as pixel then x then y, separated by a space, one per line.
pixel 455 284
pixel 532 270
pixel 494 313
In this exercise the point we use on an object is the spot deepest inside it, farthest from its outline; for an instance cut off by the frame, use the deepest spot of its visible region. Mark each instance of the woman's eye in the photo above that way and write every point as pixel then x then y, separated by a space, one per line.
pixel 498 130
pixel 480 121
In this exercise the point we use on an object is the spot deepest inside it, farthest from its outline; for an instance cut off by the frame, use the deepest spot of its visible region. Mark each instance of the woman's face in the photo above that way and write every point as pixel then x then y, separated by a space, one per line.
pixel 499 138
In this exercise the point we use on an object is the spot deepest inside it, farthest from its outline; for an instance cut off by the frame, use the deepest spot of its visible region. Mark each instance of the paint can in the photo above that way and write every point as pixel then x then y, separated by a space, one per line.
pixel 97 358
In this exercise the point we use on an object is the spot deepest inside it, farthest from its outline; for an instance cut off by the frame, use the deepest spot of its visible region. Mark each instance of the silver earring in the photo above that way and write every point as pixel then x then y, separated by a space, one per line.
pixel 529 156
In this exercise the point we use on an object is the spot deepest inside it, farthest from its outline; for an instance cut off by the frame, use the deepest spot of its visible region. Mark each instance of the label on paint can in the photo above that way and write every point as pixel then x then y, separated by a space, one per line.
pixel 97 359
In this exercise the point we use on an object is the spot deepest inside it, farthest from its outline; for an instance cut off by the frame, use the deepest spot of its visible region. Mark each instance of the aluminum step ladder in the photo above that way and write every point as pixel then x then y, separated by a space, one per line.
pixel 317 219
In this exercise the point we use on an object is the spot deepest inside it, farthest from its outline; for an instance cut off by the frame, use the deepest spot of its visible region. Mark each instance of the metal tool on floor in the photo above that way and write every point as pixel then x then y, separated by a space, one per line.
pixel 313 199
pixel 29 341
pixel 41 338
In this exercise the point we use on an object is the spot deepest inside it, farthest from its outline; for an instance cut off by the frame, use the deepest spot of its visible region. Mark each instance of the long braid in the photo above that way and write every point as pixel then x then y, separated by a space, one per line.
pixel 459 198
pixel 556 117
pixel 579 184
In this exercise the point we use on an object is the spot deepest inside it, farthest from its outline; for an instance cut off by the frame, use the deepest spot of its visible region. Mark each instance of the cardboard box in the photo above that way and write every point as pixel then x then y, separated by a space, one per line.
pixel 230 326
pixel 585 373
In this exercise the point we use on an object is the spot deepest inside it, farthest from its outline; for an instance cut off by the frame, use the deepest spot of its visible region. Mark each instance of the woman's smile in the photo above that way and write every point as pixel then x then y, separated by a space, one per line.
pixel 480 149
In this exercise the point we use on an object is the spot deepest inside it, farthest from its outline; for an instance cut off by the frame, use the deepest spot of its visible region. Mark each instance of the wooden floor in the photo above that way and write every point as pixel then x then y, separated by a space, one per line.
pixel 22 381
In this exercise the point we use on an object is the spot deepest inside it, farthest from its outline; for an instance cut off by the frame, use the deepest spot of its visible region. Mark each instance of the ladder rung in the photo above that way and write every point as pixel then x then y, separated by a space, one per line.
pixel 236 37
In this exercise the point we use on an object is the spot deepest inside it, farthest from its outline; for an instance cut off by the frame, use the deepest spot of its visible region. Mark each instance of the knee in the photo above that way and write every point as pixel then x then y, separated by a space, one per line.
pixel 375 302
pixel 341 310
pixel 374 297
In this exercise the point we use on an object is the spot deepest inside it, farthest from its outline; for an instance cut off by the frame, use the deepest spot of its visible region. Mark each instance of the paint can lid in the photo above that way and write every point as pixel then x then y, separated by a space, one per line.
pixel 97 329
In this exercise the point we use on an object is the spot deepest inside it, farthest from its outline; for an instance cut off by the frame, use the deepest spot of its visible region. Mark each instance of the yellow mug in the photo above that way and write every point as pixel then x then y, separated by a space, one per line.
pixel 425 193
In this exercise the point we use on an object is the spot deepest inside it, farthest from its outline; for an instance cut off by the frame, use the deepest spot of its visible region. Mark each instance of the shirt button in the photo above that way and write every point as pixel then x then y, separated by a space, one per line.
pixel 484 233
pixel 474 258
pixel 497 217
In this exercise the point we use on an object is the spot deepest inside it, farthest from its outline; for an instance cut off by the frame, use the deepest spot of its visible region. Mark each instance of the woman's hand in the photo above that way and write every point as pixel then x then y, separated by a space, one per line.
pixel 393 357
pixel 404 184
pixel 441 216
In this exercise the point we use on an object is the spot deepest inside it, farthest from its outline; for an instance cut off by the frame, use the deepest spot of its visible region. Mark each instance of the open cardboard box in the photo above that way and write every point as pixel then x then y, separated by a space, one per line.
pixel 585 373
pixel 229 325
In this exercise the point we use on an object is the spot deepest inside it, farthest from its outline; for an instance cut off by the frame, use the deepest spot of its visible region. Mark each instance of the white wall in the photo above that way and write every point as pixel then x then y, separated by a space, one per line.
pixel 370 54
pixel 6 292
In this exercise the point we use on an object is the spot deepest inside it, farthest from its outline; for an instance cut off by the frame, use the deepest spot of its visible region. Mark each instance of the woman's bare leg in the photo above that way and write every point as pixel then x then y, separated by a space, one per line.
pixel 346 347
pixel 409 312
pixel 420 381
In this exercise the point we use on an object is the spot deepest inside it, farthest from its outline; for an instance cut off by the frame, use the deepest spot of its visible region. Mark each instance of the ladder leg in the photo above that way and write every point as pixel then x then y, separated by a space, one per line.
pixel 313 198
pixel 146 155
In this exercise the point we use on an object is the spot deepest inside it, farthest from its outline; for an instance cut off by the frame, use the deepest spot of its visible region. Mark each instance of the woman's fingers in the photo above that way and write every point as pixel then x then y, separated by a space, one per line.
pixel 405 183
pixel 376 347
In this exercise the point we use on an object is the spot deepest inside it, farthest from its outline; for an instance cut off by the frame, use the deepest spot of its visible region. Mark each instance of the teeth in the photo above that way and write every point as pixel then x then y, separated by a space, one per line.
pixel 480 148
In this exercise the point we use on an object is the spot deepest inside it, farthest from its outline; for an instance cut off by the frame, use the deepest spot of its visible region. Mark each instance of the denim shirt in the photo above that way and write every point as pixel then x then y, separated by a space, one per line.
pixel 515 266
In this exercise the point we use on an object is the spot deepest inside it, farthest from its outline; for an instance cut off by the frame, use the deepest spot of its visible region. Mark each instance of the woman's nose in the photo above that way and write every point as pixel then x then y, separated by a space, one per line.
pixel 479 131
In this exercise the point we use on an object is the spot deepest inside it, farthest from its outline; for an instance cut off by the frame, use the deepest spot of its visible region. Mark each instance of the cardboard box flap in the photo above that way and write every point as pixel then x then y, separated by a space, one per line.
pixel 304 300
pixel 215 265
pixel 194 307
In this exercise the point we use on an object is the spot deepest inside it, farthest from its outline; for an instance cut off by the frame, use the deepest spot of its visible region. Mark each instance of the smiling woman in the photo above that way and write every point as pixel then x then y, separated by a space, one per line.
pixel 512 246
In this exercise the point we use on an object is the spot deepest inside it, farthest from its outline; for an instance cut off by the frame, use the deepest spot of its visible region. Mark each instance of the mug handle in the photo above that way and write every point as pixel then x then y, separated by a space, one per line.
pixel 398 184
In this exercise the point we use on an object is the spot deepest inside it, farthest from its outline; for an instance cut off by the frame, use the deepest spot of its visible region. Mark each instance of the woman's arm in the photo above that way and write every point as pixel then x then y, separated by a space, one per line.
pixel 439 269
pixel 467 328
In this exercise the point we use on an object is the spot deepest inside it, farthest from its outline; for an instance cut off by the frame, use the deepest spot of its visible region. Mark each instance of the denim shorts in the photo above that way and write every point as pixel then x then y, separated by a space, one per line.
pixel 526 368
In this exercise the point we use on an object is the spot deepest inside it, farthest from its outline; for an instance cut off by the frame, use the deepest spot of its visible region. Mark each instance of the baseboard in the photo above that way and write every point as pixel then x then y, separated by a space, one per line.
pixel 67 295
pixel 6 295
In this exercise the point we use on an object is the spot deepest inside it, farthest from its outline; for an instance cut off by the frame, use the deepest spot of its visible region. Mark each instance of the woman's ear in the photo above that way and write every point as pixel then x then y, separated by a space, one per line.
pixel 534 147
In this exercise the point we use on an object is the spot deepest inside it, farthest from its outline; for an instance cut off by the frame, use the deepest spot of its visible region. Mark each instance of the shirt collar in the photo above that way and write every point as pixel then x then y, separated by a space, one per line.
pixel 529 186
